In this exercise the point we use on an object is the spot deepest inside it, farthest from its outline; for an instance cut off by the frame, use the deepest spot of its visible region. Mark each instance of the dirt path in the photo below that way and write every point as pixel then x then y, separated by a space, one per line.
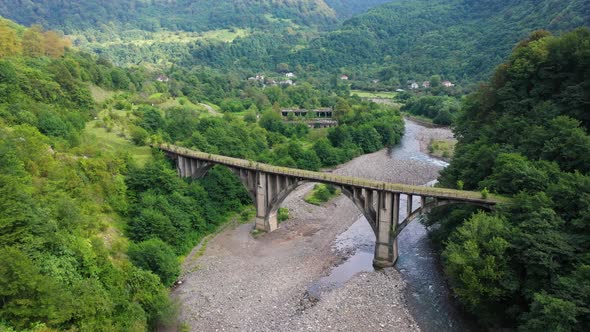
pixel 210 109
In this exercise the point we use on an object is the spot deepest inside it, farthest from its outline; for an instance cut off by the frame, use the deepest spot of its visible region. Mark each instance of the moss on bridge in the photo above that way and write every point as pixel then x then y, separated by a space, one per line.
pixel 340 180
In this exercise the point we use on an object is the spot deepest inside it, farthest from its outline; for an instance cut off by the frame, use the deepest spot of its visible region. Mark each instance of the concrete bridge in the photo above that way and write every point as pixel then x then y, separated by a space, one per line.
pixel 379 201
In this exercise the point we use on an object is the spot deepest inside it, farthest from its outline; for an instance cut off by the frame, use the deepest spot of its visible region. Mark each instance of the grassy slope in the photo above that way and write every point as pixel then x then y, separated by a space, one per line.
pixel 111 141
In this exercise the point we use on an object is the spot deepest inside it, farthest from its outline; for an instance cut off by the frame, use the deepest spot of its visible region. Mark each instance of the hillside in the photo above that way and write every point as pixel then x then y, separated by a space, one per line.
pixel 458 39
pixel 525 134
pixel 183 15
pixel 347 8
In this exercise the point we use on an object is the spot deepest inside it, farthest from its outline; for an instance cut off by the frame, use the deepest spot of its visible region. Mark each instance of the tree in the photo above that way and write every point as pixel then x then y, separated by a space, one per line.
pixel 435 81
pixel 139 136
pixel 477 261
pixel 9 43
pixel 549 313
pixel 53 45
pixel 33 41
pixel 158 257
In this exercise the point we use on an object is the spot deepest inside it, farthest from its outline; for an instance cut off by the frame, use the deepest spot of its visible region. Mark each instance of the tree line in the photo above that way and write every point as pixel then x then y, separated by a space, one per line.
pixel 524 134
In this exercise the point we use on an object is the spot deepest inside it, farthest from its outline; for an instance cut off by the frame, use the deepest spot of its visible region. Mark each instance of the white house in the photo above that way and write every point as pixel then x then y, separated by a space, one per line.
pixel 290 75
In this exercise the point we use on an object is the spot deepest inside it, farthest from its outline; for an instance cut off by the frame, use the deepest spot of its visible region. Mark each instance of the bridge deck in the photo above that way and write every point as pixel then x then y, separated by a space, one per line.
pixel 456 195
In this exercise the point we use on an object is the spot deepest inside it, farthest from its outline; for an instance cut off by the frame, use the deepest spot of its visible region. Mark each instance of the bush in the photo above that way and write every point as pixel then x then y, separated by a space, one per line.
pixel 139 136
pixel 158 257
pixel 283 214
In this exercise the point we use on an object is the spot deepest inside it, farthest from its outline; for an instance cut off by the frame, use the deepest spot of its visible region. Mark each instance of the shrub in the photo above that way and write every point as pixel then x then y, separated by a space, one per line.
pixel 158 257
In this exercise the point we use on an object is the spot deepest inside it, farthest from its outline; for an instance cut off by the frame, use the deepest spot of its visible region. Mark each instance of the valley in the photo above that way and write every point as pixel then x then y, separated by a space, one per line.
pixel 101 229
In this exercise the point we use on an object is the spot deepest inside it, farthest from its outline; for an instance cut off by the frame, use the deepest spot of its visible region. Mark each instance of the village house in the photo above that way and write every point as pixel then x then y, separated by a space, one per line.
pixel 344 77
pixel 290 75
pixel 256 78
pixel 426 84
pixel 162 78
pixel 414 85
pixel 317 118
pixel 447 84
pixel 286 82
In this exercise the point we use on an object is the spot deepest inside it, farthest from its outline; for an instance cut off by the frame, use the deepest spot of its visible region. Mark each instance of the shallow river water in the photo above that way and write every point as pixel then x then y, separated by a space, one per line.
pixel 427 293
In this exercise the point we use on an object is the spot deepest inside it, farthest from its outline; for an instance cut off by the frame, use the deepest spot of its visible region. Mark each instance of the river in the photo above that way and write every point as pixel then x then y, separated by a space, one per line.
pixel 428 295
pixel 315 272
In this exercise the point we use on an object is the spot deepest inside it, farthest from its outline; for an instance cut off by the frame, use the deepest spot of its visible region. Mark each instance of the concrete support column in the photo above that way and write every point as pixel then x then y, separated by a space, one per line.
pixel 261 201
pixel 181 167
pixel 386 251
pixel 266 220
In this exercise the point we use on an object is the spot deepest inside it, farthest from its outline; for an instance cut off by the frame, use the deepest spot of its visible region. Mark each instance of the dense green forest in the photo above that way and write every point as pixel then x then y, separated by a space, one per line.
pixel 461 40
pixel 347 8
pixel 181 15
pixel 441 109
pixel 399 41
pixel 525 134
pixel 396 42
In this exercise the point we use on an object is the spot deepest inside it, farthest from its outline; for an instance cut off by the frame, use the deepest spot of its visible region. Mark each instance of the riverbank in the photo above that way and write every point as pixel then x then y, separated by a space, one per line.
pixel 242 283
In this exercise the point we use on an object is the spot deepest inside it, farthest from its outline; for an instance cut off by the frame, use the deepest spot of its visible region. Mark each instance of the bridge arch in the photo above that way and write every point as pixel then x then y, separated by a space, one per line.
pixel 427 206
pixel 379 202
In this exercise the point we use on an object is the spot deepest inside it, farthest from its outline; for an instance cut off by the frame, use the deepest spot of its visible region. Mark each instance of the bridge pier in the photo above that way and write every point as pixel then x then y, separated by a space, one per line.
pixel 266 218
pixel 386 251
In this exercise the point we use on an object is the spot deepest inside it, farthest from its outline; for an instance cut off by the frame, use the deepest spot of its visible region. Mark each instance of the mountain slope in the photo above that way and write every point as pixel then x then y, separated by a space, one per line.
pixel 348 8
pixel 187 15
pixel 460 39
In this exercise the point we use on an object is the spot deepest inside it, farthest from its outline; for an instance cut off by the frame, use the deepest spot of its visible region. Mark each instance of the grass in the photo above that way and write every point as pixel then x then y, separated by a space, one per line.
pixel 442 148
pixel 256 233
pixel 111 141
pixel 99 94
pixel 321 193
pixel 283 214
pixel 183 102
pixel 371 94
pixel 157 95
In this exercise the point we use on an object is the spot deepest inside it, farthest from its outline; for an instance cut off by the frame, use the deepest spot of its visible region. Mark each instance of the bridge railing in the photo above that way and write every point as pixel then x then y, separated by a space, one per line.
pixel 334 178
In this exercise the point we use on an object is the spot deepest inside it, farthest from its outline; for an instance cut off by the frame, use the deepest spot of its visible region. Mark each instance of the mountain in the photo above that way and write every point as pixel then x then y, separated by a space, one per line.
pixel 458 39
pixel 348 8
pixel 187 15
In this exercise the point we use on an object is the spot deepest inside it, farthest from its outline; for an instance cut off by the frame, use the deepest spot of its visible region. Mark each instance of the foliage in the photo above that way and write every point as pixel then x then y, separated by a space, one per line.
pixel 283 214
pixel 414 40
pixel 158 257
pixel 321 193
pixel 476 260
pixel 524 134
pixel 441 109
pixel 154 15
pixel 63 200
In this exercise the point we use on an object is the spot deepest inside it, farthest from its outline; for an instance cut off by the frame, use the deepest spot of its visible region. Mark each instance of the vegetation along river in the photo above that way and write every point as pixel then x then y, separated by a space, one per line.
pixel 315 273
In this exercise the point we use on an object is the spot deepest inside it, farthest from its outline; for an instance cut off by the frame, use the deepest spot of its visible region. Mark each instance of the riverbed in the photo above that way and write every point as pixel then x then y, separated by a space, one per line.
pixel 314 273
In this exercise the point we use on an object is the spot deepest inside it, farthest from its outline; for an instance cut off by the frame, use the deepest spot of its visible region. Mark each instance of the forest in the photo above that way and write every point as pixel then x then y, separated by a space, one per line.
pixel 525 134
pixel 394 42
pixel 404 40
